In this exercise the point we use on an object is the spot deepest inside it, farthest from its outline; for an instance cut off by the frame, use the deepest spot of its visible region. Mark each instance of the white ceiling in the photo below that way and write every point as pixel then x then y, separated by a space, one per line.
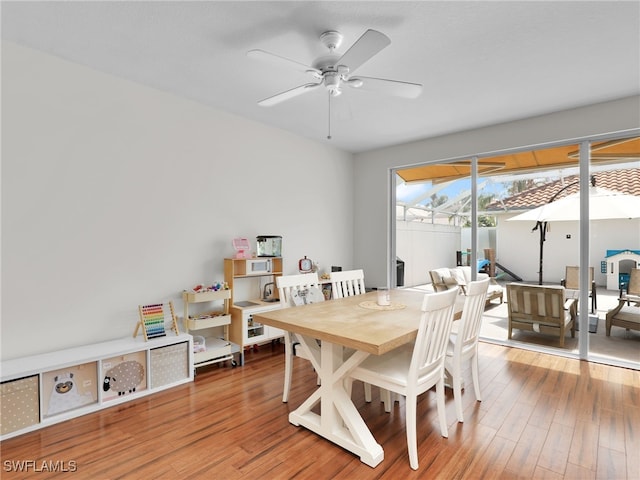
pixel 480 62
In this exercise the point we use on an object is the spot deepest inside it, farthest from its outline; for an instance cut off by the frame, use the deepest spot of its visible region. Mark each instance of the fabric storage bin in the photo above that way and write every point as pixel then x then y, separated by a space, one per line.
pixel 69 388
pixel 19 404
pixel 169 364
pixel 124 375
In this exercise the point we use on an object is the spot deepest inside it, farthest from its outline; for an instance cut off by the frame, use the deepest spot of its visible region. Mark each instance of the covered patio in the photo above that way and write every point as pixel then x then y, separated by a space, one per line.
pixel 623 345
pixel 620 155
pixel 528 160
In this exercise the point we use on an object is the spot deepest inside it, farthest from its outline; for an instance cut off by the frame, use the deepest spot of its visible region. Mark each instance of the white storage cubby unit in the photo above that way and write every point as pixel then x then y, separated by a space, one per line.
pixel 44 389
pixel 210 328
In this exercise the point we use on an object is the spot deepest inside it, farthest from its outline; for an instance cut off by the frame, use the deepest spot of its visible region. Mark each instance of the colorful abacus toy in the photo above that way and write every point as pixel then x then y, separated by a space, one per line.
pixel 153 318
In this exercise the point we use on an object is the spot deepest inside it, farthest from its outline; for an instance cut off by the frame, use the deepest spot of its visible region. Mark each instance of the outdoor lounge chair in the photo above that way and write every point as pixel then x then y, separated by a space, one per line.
pixel 571 282
pixel 627 313
pixel 541 309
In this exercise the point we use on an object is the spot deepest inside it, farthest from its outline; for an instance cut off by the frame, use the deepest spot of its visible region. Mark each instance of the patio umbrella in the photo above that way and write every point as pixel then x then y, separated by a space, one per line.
pixel 603 205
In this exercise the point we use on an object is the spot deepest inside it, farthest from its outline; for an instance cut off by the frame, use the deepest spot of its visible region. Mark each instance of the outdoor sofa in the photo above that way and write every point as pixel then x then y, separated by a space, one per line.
pixel 446 278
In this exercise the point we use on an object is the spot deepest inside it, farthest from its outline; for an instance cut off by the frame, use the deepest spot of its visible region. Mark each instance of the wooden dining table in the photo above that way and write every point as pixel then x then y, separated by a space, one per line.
pixel 358 323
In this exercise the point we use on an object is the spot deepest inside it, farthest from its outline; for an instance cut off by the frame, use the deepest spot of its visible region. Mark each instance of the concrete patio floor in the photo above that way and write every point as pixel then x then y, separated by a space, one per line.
pixel 621 345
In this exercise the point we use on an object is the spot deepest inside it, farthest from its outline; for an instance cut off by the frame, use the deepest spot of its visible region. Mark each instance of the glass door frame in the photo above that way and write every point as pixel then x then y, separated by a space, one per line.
pixel 584 164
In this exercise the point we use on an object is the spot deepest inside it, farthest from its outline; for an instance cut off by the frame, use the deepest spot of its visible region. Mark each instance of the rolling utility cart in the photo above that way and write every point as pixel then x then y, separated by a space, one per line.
pixel 210 329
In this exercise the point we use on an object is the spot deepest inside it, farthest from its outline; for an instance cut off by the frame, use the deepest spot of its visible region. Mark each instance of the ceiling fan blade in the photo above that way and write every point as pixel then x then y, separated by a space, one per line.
pixel 283 61
pixel 370 43
pixel 390 87
pixel 294 92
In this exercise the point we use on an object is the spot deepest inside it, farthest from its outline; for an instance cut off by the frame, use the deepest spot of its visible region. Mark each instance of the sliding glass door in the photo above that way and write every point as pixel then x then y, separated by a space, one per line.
pixel 447 216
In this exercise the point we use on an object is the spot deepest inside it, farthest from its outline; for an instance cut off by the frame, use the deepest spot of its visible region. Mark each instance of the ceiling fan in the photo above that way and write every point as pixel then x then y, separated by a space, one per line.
pixel 334 71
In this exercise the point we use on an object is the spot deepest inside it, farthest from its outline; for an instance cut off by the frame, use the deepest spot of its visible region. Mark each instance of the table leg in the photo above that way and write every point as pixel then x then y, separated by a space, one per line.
pixel 339 420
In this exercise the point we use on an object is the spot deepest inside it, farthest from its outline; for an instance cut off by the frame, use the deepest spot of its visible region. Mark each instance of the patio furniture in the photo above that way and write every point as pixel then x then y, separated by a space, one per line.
pixel 540 309
pixel 627 313
pixel 447 278
pixel 632 286
pixel 463 343
pixel 571 282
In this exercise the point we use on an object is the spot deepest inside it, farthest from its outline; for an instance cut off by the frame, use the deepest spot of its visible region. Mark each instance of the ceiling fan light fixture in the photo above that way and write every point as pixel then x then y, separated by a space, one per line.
pixel 333 70
pixel 331 39
pixel 332 82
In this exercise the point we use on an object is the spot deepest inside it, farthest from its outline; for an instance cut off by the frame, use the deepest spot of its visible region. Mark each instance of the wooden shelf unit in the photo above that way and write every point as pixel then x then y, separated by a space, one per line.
pixel 236 268
pixel 207 324
pixel 243 330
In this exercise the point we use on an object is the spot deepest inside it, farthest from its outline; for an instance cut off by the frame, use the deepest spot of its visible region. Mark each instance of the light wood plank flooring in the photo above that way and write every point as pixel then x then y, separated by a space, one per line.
pixel 542 416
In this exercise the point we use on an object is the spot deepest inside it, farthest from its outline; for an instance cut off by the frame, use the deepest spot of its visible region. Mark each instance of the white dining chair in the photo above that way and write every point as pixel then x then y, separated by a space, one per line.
pixel 411 372
pixel 347 283
pixel 463 342
pixel 294 290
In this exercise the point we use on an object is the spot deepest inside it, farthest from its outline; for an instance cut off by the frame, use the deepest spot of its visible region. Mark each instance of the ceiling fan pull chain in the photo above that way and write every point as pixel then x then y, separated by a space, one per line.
pixel 329 118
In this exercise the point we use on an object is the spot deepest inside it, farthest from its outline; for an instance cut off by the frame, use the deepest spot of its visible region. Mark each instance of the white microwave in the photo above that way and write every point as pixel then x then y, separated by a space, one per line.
pixel 258 266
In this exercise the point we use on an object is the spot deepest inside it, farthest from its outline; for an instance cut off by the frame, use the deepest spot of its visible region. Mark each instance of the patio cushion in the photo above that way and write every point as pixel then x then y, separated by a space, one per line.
pixel 450 281
pixel 445 278
pixel 629 313
pixel 459 277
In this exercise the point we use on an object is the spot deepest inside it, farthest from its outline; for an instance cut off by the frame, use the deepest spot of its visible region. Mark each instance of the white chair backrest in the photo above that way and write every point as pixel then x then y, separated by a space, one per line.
pixel 289 284
pixel 433 334
pixel 474 303
pixel 347 283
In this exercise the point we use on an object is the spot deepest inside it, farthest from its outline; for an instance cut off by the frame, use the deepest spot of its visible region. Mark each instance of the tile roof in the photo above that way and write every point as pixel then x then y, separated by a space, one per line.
pixel 625 181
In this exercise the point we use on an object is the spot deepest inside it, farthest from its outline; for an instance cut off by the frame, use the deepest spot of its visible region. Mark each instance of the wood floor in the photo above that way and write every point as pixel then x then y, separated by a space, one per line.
pixel 542 416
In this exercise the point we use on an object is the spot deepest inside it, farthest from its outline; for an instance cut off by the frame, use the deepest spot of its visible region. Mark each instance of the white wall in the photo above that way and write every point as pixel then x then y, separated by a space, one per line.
pixel 519 248
pixel 424 247
pixel 372 168
pixel 486 239
pixel 116 195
